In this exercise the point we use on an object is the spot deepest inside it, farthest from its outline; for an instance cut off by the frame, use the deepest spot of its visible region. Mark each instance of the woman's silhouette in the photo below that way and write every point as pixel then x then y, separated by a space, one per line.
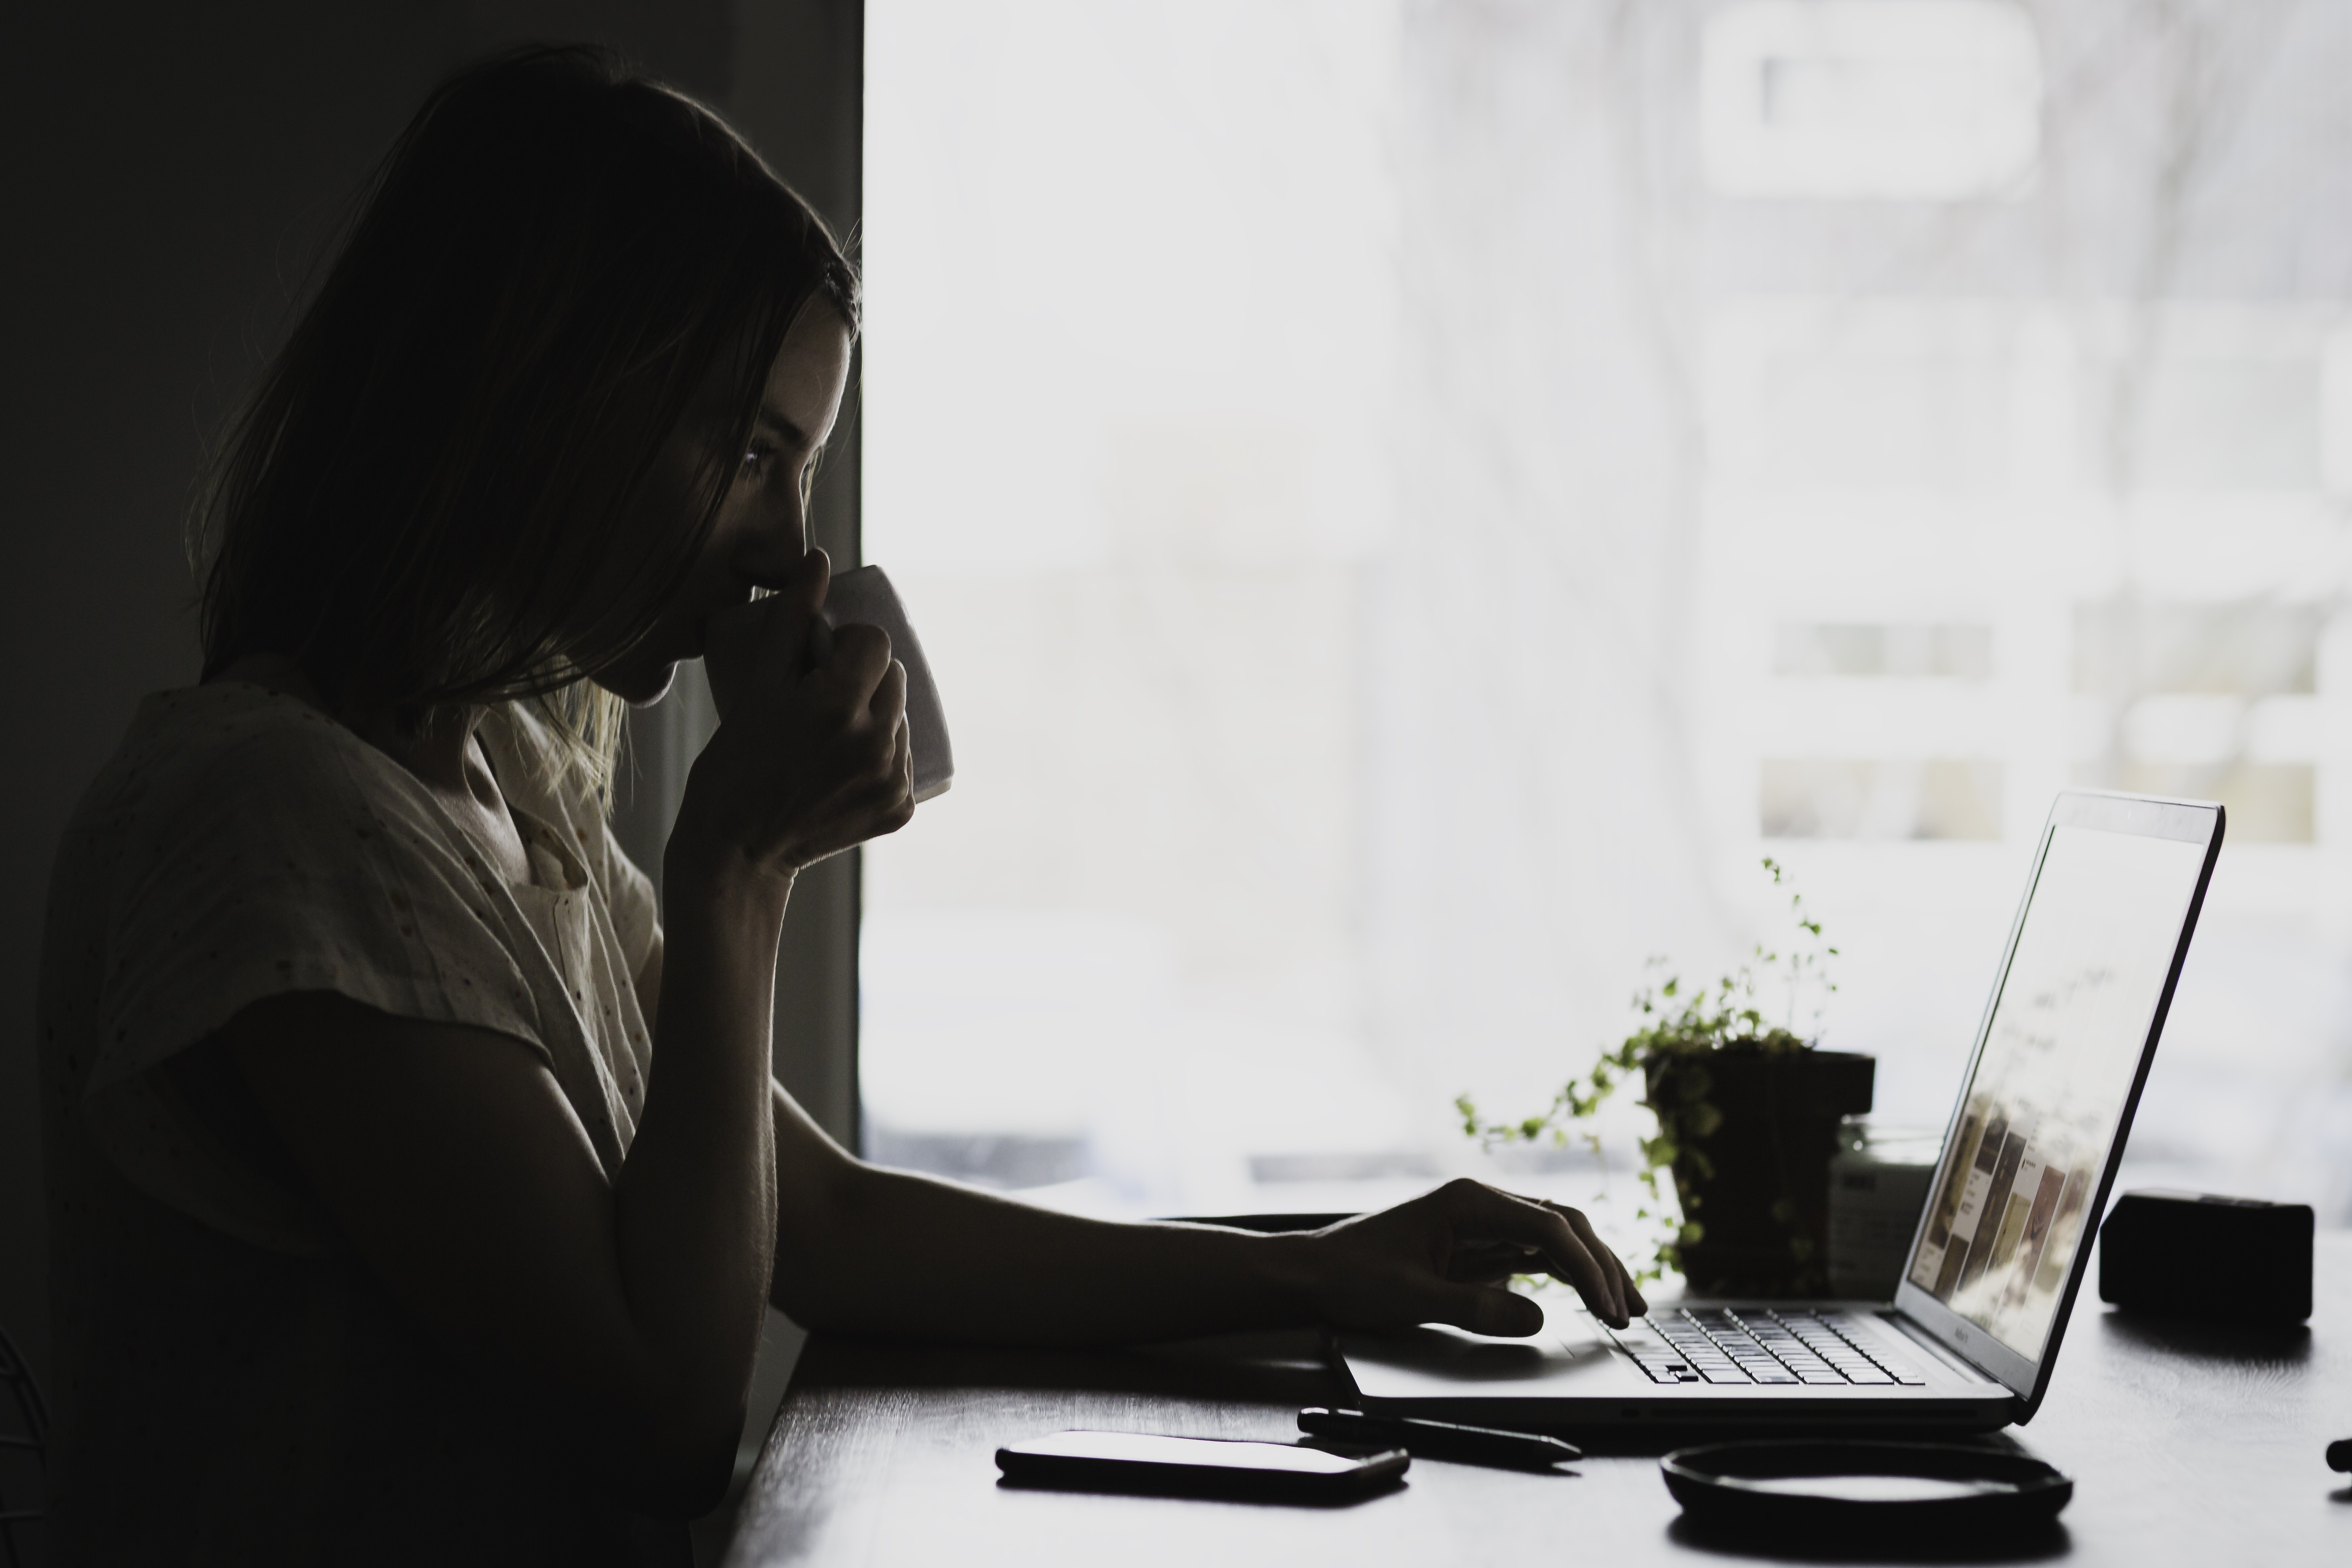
pixel 417 1195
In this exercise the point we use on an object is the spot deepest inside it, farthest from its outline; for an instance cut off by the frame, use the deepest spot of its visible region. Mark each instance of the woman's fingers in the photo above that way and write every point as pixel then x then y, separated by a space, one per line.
pixel 861 660
pixel 888 706
pixel 1619 1282
pixel 814 754
pixel 805 582
pixel 803 585
pixel 762 643
pixel 871 686
pixel 1628 1294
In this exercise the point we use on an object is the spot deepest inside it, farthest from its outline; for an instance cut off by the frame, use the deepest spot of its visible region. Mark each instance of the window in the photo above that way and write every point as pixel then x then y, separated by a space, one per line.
pixel 1408 504
pixel 1927 797
pixel 1926 100
pixel 1883 652
pixel 2218 701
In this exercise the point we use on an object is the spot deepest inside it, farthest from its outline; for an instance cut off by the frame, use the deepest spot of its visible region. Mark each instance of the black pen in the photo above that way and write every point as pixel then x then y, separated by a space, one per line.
pixel 1439 1439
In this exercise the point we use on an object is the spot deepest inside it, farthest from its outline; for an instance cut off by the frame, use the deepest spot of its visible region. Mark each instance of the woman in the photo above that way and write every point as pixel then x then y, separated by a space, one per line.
pixel 417 1193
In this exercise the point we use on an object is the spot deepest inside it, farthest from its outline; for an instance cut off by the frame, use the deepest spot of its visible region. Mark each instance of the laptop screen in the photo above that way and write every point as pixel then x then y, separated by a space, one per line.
pixel 2061 1050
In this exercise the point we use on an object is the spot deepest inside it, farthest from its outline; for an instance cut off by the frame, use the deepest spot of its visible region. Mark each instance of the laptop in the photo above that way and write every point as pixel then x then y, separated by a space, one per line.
pixel 1971 1337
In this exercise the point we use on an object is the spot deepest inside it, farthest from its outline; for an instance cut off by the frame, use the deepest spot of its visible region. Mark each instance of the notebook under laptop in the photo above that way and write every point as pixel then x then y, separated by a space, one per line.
pixel 1971 1336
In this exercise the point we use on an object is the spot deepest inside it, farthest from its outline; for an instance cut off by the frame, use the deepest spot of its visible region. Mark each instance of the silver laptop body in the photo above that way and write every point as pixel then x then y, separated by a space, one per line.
pixel 1970 1339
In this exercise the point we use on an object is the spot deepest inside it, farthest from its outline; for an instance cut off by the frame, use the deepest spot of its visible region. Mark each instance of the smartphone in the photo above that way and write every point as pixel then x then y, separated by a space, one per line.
pixel 863 596
pixel 1196 1467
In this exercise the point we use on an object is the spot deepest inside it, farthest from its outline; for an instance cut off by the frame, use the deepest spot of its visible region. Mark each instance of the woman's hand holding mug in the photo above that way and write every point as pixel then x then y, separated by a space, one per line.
pixel 812 753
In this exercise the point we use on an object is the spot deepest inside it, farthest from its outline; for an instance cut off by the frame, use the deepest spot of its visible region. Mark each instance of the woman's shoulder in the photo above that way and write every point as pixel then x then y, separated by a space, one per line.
pixel 240 843
pixel 235 783
pixel 230 750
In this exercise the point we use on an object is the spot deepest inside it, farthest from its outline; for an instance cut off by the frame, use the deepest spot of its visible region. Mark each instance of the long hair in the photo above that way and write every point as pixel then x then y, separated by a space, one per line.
pixel 425 501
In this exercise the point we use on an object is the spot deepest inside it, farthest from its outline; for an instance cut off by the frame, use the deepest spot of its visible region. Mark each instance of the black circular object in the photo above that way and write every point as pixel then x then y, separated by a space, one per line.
pixel 1861 1487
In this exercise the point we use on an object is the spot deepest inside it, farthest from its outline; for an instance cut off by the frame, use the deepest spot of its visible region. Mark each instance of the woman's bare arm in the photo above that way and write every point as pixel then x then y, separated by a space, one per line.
pixel 1019 1274
pixel 866 1249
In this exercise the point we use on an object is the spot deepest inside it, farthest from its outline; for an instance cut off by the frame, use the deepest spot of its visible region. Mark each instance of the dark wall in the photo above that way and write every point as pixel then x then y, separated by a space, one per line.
pixel 171 170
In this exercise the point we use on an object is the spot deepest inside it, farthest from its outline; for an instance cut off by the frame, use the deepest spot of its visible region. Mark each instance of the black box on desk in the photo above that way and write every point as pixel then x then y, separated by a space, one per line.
pixel 2192 1255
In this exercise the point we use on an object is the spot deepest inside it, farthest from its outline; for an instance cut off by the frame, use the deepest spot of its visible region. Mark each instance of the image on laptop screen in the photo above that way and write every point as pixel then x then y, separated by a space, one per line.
pixel 2059 1056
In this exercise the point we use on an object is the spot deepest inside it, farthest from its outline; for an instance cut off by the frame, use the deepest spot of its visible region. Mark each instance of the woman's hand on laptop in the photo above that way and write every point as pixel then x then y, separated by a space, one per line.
pixel 1446 1256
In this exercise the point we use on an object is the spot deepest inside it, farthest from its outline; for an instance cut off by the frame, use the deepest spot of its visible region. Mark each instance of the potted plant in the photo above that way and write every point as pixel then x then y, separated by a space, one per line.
pixel 1746 1116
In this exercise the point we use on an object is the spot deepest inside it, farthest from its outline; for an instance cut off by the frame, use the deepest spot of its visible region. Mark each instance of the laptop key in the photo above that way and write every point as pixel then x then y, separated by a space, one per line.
pixel 1725 1375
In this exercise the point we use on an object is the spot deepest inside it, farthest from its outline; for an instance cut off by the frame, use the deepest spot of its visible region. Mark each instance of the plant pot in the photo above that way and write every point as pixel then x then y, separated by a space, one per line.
pixel 1754 1132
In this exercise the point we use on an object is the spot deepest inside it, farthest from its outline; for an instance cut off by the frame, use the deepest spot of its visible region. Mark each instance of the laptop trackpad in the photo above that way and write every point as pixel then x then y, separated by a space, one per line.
pixel 1571 1357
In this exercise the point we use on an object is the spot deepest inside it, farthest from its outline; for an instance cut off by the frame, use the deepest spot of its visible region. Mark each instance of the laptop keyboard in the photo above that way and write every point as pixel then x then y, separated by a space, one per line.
pixel 1723 1344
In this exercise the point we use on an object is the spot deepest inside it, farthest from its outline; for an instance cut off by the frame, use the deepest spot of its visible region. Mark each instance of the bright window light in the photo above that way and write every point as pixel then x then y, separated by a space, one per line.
pixel 1889 100
pixel 1405 512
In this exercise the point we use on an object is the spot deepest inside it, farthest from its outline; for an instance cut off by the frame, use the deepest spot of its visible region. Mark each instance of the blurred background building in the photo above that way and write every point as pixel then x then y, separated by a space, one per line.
pixel 1409 503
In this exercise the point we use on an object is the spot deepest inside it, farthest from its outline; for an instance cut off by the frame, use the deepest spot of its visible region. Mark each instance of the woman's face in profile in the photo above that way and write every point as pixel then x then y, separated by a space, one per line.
pixel 761 531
